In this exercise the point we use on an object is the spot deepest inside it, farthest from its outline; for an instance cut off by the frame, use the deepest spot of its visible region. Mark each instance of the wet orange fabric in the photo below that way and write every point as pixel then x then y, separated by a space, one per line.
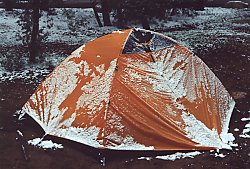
pixel 166 99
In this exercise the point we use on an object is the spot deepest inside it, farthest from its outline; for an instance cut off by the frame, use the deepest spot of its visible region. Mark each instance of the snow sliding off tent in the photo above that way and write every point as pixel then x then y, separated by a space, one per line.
pixel 133 90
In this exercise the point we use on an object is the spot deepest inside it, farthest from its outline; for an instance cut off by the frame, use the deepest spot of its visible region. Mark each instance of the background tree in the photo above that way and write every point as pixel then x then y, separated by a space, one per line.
pixel 105 12
pixel 144 10
pixel 34 45
pixel 32 34
pixel 141 10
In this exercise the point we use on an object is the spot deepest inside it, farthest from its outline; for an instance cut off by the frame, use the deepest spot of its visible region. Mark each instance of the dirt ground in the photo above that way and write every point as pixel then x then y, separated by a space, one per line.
pixel 229 60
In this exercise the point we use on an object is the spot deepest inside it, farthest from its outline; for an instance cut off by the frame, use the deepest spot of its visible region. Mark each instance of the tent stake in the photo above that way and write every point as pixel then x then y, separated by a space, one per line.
pixel 102 158
pixel 22 143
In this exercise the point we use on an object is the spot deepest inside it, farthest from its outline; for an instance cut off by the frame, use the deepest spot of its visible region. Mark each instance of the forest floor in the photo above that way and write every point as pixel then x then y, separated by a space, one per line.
pixel 220 37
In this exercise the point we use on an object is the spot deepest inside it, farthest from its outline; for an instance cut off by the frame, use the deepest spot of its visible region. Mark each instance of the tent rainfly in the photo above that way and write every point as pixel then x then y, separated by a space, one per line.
pixel 134 90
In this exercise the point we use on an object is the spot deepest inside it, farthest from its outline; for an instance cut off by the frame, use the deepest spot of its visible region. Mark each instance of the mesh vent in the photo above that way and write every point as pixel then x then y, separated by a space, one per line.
pixel 141 41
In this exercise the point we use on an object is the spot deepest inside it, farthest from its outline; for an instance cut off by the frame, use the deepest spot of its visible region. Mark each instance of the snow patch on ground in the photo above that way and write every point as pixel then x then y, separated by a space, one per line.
pixel 145 158
pixel 246 131
pixel 210 24
pixel 19 114
pixel 29 75
pixel 9 28
pixel 179 155
pixel 245 119
pixel 46 144
pixel 219 155
pixel 228 138
pixel 173 157
pixel 82 28
pixel 236 129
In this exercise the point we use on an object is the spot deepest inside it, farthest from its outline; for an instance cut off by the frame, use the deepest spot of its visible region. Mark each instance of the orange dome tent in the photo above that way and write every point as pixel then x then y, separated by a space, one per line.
pixel 133 90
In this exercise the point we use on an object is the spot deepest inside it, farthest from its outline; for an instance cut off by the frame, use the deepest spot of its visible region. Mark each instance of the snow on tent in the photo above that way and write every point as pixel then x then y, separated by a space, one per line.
pixel 134 90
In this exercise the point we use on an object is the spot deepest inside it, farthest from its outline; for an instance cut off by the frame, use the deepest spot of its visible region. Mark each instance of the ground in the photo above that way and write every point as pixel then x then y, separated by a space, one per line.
pixel 220 37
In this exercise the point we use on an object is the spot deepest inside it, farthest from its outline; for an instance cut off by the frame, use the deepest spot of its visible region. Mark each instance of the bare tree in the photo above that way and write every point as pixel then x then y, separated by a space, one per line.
pixel 34 45
pixel 31 34
pixel 105 12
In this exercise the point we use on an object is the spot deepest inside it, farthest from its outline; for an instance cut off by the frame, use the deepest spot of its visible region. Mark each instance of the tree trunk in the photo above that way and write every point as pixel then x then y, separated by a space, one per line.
pixel 105 13
pixel 34 46
pixel 173 12
pixel 121 22
pixel 97 17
